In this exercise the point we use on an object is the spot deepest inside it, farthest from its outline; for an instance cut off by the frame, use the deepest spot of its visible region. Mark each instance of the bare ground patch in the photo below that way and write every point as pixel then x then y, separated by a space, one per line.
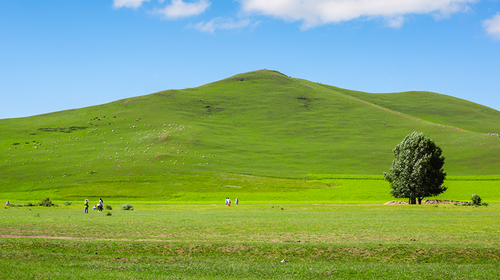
pixel 428 202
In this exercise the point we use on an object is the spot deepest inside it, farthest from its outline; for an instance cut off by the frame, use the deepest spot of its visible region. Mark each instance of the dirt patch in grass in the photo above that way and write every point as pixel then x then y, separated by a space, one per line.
pixel 428 202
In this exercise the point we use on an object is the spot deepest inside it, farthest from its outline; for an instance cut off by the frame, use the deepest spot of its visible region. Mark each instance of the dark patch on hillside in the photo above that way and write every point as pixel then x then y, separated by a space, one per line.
pixel 240 78
pixel 304 101
pixel 211 109
pixel 62 129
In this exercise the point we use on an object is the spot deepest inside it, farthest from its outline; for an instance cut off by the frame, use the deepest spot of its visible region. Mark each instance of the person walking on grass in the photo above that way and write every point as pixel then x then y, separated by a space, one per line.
pixel 86 204
pixel 236 201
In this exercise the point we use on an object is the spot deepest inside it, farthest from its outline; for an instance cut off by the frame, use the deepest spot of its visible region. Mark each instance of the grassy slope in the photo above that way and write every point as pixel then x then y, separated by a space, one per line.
pixel 261 123
pixel 436 108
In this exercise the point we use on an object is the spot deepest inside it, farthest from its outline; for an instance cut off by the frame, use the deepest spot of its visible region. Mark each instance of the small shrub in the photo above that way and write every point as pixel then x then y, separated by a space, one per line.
pixel 127 206
pixel 13 205
pixel 67 203
pixel 108 214
pixel 108 207
pixel 46 202
pixel 476 200
pixel 29 204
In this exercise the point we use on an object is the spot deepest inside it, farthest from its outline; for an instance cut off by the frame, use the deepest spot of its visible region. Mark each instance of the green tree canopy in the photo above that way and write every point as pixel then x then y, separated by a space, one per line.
pixel 417 170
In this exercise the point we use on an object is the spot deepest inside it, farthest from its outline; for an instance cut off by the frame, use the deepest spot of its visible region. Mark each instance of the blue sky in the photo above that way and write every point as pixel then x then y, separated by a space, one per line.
pixel 58 55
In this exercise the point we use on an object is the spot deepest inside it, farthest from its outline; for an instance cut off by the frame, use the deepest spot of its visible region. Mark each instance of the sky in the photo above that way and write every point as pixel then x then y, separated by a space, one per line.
pixel 58 54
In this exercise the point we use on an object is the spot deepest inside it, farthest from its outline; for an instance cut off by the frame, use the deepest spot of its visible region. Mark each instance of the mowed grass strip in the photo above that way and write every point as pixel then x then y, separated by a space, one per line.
pixel 202 188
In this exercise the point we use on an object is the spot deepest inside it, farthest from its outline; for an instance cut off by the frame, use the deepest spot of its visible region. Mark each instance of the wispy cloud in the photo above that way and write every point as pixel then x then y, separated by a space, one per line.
pixel 221 23
pixel 395 22
pixel 178 9
pixel 492 26
pixel 318 12
pixel 128 3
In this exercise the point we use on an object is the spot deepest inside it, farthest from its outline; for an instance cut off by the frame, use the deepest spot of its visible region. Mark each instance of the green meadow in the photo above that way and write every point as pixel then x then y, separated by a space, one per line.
pixel 317 241
pixel 257 132
pixel 209 188
pixel 305 159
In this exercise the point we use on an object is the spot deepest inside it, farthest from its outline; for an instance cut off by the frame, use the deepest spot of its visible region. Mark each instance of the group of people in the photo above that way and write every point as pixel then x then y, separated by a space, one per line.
pixel 228 201
pixel 98 206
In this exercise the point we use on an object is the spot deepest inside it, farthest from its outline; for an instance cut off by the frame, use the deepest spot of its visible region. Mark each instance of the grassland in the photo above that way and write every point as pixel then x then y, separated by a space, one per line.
pixel 206 189
pixel 305 159
pixel 249 242
pixel 259 134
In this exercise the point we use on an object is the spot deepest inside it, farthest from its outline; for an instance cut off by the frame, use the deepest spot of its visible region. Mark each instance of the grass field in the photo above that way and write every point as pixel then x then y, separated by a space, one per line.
pixel 262 124
pixel 305 159
pixel 249 242
pixel 211 188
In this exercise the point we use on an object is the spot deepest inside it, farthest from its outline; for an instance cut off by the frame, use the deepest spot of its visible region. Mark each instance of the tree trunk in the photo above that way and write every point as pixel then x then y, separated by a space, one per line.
pixel 420 200
pixel 412 200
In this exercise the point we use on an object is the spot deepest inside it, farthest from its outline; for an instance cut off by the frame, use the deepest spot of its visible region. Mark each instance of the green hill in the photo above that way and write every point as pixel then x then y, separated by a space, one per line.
pixel 261 123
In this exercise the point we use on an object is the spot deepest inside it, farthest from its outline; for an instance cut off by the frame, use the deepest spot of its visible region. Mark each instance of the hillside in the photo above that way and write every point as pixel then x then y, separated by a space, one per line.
pixel 260 123
pixel 436 108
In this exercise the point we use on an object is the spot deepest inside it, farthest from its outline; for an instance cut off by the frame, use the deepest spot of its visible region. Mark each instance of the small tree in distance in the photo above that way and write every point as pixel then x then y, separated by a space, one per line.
pixel 417 170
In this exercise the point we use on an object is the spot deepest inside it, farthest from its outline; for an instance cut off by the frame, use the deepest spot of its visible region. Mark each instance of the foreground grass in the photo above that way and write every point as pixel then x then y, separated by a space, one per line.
pixel 248 242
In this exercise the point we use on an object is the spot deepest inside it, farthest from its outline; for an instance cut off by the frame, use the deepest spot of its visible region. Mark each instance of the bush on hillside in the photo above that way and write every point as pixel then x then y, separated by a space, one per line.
pixel 46 202
pixel 67 203
pixel 127 206
pixel 476 200
pixel 108 207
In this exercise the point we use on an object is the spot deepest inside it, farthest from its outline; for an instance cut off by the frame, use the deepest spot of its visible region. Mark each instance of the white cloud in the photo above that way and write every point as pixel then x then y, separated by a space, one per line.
pixel 178 9
pixel 318 12
pixel 395 22
pixel 128 3
pixel 220 23
pixel 492 26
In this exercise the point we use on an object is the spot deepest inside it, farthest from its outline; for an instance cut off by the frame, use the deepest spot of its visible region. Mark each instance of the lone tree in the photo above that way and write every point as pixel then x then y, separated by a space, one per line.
pixel 417 170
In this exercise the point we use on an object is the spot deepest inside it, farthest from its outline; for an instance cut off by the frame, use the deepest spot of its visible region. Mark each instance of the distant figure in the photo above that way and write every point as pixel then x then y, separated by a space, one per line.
pixel 101 204
pixel 236 201
pixel 86 204
pixel 8 203
pixel 228 201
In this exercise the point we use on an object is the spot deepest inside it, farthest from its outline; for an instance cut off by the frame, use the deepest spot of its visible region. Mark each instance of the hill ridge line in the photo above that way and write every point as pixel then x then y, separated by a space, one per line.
pixel 378 106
